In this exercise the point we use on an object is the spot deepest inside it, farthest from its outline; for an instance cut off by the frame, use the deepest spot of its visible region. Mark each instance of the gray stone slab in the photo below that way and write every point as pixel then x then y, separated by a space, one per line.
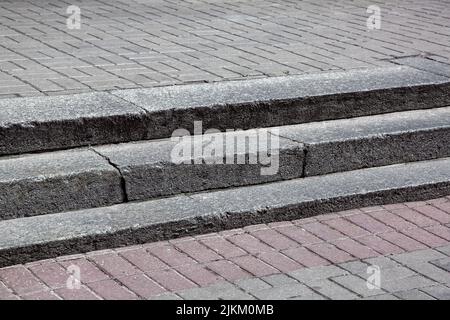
pixel 289 100
pixel 53 235
pixel 340 145
pixel 152 169
pixel 426 64
pixel 54 182
pixel 48 123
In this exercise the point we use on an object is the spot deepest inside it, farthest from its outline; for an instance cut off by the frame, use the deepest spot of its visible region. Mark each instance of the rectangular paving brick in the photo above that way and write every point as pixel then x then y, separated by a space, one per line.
pixel 110 290
pixel 254 266
pixel 114 265
pixel 143 260
pixel 141 285
pixel 440 230
pixel 391 220
pixel 6 294
pixel 170 255
pixel 76 294
pixel 274 239
pixel 198 251
pixel 434 212
pixel 347 228
pixel 323 231
pixel 51 273
pixel 367 222
pixel 223 247
pixel 88 271
pixel 415 217
pixel 249 243
pixel 330 252
pixel 20 280
pixel 228 270
pixel 404 242
pixel 305 257
pixel 199 274
pixel 382 246
pixel 171 280
pixel 355 249
pixel 279 261
pixel 425 237
pixel 41 295
pixel 298 234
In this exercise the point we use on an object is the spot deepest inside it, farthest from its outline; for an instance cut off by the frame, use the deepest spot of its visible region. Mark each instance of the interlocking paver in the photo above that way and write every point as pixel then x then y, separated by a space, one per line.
pixel 235 264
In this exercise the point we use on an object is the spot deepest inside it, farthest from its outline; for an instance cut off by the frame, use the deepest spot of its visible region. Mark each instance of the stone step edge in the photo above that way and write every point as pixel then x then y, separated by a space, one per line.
pixel 48 236
pixel 61 122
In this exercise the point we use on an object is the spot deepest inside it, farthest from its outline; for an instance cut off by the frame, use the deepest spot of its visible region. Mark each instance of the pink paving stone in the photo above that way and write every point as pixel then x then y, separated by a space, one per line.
pixel 88 271
pixel 143 260
pixel 391 220
pixel 198 251
pixel 415 217
pixel 170 255
pixel 330 252
pixel 199 274
pixel 142 285
pixel 394 206
pixel 274 239
pixel 228 233
pixel 404 242
pixel 76 294
pixel 114 265
pixel 255 266
pixel 303 221
pixel 6 294
pixel 41 295
pixel 171 280
pixel 356 249
pixel 20 280
pixel 440 230
pixel 227 270
pixel 279 261
pixel 249 243
pixel 347 228
pixel 437 201
pixel 305 257
pixel 380 245
pixel 223 247
pixel 280 224
pixel 328 216
pixel 414 204
pixel 111 290
pixel 437 212
pixel 256 227
pixel 367 222
pixel 51 273
pixel 371 209
pixel 298 234
pixel 425 237
pixel 323 231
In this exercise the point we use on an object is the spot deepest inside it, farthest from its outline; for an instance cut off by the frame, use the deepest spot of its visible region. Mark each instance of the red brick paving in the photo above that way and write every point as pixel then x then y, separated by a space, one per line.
pixel 143 272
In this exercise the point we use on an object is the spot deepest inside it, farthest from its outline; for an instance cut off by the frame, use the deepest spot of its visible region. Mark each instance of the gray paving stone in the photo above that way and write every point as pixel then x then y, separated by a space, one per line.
pixel 418 257
pixel 382 297
pixel 296 290
pixel 222 291
pixel 440 292
pixel 414 294
pixel 355 267
pixel 405 284
pixel 442 263
pixel 357 285
pixel 444 249
pixel 383 262
pixel 331 290
pixel 316 273
pixel 253 284
pixel 278 280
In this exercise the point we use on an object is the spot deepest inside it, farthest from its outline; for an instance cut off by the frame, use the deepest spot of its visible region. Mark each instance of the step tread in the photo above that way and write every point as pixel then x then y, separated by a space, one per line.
pixel 37 237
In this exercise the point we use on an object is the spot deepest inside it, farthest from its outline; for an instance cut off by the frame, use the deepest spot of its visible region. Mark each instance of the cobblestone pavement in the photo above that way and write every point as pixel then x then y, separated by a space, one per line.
pixel 143 43
pixel 334 256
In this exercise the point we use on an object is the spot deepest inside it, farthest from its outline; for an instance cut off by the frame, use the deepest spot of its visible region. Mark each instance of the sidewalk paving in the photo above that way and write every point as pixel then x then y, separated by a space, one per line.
pixel 325 257
pixel 131 44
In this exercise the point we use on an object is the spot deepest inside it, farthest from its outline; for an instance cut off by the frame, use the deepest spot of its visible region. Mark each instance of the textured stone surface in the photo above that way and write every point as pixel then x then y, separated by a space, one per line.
pixel 46 123
pixel 349 144
pixel 54 182
pixel 51 235
pixel 149 169
pixel 289 100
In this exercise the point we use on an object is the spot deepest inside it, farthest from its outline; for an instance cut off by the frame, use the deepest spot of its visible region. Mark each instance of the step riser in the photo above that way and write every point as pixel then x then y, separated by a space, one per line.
pixel 53 123
pixel 155 175
pixel 205 213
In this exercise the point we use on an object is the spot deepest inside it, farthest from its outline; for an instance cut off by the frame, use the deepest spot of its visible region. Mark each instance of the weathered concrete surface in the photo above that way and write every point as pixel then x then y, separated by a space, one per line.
pixel 222 160
pixel 70 232
pixel 341 145
pixel 48 123
pixel 54 182
pixel 289 100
